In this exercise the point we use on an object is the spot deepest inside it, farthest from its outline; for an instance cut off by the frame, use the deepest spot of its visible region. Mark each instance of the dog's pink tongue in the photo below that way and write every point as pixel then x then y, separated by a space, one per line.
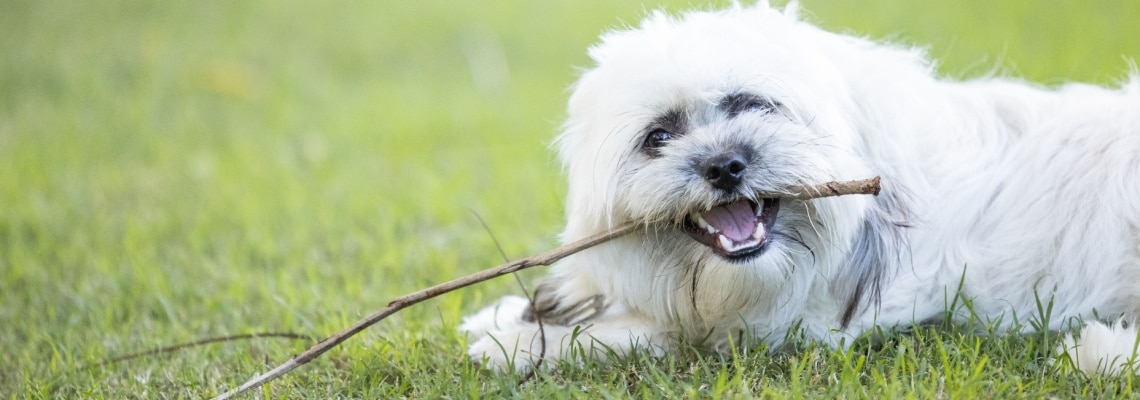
pixel 735 221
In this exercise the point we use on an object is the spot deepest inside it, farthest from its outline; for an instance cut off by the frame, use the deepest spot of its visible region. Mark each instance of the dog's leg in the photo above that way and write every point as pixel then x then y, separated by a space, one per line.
pixel 1101 348
pixel 521 345
pixel 502 314
pixel 514 334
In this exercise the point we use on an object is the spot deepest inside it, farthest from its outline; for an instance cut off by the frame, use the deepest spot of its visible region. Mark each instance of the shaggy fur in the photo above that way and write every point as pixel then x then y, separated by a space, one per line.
pixel 995 191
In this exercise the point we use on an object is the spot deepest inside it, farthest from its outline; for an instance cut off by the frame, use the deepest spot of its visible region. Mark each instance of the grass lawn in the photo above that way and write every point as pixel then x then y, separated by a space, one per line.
pixel 171 171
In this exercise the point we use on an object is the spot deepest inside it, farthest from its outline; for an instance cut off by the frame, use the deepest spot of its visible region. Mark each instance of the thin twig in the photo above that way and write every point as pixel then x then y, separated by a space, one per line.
pixel 829 189
pixel 529 296
pixel 196 343
pixel 541 334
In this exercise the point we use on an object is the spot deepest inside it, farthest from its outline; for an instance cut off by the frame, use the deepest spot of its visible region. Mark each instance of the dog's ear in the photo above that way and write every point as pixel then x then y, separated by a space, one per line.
pixel 878 251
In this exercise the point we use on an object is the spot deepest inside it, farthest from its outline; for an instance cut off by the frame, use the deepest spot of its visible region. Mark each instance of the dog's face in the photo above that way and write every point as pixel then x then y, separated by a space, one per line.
pixel 699 161
pixel 681 124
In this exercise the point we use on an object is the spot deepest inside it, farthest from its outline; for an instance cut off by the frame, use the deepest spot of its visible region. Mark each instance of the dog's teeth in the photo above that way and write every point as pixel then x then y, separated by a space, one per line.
pixel 759 233
pixel 724 242
pixel 701 223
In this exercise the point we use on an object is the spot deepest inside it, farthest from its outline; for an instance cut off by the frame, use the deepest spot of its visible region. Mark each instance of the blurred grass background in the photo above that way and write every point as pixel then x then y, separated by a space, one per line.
pixel 176 170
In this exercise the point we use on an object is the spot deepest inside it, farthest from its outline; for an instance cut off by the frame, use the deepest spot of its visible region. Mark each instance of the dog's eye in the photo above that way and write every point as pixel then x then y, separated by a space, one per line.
pixel 745 103
pixel 752 105
pixel 757 106
pixel 655 140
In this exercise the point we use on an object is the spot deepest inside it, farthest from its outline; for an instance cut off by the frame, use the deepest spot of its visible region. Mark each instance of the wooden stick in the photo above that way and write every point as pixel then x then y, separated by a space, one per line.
pixel 829 189
pixel 196 343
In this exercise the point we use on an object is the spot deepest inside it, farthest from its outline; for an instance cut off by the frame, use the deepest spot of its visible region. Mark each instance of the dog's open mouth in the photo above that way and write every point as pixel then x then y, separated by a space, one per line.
pixel 736 230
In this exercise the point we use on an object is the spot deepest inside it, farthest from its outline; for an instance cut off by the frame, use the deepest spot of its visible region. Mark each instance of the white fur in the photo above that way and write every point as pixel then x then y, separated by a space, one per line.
pixel 1105 349
pixel 1023 194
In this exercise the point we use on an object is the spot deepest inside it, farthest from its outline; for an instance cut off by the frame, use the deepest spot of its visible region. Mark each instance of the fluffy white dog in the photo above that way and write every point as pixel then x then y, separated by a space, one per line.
pixel 994 191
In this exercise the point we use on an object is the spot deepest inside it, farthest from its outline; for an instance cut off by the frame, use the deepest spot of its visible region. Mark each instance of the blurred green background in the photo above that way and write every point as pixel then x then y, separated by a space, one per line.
pixel 175 170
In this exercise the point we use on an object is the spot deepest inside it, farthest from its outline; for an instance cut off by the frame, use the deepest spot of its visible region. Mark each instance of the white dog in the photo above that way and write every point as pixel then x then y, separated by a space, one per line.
pixel 994 191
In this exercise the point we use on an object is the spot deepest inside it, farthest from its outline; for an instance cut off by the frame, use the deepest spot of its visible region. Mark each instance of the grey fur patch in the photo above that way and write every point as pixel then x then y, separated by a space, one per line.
pixel 877 252
pixel 553 310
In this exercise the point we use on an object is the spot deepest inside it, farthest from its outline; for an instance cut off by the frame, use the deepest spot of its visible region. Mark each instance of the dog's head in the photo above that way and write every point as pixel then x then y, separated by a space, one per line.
pixel 683 121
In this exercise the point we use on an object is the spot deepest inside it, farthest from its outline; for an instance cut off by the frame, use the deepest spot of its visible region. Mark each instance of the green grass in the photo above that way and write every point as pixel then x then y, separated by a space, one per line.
pixel 177 170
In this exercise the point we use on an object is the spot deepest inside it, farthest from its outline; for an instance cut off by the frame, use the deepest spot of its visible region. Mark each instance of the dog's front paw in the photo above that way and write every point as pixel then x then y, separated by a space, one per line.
pixel 500 338
pixel 506 350
pixel 502 315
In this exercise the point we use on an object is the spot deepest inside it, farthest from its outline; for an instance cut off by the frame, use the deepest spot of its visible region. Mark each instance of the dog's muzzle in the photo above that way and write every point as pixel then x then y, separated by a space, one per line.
pixel 737 231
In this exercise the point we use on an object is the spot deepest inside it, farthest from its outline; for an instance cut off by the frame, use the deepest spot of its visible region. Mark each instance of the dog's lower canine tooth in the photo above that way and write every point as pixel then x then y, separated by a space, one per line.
pixel 724 242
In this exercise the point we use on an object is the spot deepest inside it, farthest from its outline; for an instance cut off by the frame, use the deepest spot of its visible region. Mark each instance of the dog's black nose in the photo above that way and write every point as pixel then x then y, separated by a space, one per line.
pixel 724 171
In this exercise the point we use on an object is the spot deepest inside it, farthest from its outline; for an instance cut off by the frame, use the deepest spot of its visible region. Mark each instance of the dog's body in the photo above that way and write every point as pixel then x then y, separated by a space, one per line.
pixel 996 192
